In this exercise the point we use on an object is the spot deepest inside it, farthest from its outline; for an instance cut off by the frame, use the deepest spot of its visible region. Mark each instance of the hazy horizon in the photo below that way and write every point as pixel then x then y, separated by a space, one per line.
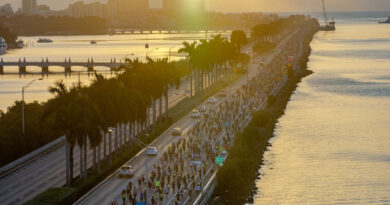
pixel 250 5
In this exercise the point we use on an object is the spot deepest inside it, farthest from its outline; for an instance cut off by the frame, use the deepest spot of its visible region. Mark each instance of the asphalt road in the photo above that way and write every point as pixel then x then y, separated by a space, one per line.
pixel 49 170
pixel 112 187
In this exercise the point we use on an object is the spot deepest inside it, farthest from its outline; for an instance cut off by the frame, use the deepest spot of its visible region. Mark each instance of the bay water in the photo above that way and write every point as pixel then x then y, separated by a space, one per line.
pixel 332 145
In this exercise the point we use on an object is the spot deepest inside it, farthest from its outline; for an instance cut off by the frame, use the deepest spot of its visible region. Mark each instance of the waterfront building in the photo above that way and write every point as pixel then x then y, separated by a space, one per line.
pixel 128 12
pixel 80 9
pixel 29 6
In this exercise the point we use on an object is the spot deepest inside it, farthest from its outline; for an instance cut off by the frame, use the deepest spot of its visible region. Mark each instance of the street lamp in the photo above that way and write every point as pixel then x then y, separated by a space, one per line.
pixel 146 168
pixel 24 88
pixel 110 130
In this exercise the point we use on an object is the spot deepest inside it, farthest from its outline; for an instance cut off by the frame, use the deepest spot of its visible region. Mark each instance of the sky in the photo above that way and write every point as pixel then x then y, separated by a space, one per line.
pixel 252 5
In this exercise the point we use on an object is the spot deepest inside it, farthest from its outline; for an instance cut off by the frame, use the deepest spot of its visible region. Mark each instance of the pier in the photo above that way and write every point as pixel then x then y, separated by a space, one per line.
pixel 67 64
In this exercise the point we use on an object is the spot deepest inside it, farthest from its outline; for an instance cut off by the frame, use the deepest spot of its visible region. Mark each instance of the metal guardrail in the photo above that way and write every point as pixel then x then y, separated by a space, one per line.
pixel 29 158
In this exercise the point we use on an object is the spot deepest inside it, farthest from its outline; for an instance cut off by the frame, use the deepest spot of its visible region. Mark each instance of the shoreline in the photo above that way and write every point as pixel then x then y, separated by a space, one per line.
pixel 245 188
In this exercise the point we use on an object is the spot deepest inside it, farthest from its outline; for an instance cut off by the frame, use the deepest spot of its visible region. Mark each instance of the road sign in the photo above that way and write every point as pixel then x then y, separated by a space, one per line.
pixel 140 203
pixel 219 159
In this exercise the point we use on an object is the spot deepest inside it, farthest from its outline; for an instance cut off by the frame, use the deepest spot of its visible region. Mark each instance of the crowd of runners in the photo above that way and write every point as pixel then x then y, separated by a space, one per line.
pixel 178 175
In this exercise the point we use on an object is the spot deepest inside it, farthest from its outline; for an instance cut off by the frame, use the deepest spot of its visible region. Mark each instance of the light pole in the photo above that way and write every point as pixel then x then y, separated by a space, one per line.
pixel 24 88
pixel 146 168
pixel 110 130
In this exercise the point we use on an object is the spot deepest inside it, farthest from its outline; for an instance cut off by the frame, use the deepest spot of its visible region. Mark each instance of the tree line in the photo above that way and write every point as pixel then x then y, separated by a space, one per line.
pixel 9 36
pixel 266 34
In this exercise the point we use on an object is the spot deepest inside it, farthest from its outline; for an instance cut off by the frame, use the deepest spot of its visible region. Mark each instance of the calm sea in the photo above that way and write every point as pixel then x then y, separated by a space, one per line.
pixel 332 146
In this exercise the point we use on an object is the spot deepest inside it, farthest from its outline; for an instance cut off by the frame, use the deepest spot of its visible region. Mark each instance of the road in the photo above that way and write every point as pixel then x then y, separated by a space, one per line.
pixel 49 170
pixel 111 188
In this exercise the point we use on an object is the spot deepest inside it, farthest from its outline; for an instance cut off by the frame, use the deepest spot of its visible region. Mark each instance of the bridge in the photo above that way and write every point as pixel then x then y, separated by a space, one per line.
pixel 67 64
pixel 162 30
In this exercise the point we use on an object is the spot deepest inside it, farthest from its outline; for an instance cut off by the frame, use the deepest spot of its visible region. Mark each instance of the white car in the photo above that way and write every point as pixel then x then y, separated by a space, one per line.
pixel 151 151
pixel 126 171
pixel 176 132
pixel 202 108
pixel 195 114
pixel 212 100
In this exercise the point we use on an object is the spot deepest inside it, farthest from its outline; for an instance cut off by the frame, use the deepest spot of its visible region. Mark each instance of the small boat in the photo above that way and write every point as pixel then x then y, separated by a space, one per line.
pixel 93 42
pixel 3 45
pixel 387 21
pixel 44 40
pixel 20 44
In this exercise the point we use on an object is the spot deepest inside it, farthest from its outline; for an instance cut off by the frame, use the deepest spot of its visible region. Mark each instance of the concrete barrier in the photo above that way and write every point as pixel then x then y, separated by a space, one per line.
pixel 29 158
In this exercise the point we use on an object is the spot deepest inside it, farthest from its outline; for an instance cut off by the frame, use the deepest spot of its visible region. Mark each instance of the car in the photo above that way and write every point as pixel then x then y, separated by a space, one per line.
pixel 126 171
pixel 212 100
pixel 195 114
pixel 151 151
pixel 222 93
pixel 202 108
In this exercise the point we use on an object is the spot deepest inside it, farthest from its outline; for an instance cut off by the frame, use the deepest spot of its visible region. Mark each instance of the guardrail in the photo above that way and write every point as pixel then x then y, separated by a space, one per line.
pixel 29 158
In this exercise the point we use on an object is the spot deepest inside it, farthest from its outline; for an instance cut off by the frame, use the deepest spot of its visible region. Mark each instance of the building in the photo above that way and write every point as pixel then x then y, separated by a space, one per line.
pixel 29 6
pixel 43 8
pixel 80 9
pixel 171 5
pixel 6 10
pixel 127 10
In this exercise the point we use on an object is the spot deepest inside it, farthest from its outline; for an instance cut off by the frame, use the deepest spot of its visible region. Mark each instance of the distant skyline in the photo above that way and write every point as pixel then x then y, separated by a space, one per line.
pixel 250 5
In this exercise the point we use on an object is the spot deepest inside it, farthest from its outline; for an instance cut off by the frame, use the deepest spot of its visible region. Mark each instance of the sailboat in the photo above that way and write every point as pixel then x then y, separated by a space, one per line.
pixel 328 25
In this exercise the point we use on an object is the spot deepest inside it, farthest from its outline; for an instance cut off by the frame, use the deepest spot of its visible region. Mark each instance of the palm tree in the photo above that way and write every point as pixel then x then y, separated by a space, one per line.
pixel 68 110
pixel 189 49
pixel 238 38
pixel 55 107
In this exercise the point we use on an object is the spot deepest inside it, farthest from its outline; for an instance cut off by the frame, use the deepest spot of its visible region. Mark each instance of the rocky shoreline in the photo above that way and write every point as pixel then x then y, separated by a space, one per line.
pixel 241 190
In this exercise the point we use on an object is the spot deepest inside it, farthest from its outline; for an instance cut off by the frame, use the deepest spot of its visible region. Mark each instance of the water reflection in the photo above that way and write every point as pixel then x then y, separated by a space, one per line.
pixel 332 146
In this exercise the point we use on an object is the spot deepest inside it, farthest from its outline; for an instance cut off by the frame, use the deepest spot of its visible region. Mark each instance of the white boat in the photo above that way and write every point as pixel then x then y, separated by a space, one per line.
pixel 3 45
pixel 387 21
pixel 44 40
